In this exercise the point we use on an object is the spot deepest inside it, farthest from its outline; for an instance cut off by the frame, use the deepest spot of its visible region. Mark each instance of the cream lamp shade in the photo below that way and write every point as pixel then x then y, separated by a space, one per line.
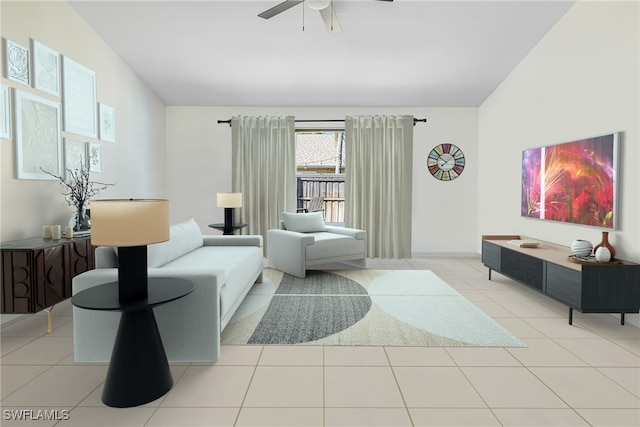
pixel 229 200
pixel 129 222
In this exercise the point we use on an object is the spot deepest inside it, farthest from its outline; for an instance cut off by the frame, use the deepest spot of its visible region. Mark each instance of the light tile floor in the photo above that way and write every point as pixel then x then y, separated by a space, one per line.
pixel 585 374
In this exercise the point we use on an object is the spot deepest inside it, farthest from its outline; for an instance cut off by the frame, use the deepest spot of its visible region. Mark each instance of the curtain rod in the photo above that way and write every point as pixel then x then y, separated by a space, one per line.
pixel 319 121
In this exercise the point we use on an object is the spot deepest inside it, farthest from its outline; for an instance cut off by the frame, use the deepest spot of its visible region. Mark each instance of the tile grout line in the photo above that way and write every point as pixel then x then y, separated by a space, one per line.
pixel 556 394
pixel 395 378
pixel 246 393
pixel 324 385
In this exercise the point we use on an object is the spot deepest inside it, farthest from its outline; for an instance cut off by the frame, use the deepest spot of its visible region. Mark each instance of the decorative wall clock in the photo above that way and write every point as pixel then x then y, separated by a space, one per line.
pixel 445 162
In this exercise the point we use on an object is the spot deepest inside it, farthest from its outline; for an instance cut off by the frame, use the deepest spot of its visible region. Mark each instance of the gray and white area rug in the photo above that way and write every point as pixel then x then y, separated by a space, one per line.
pixel 362 307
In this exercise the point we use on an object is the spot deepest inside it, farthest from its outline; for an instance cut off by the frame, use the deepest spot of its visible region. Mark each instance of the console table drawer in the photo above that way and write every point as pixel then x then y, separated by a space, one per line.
pixel 37 272
pixel 564 284
pixel 522 267
pixel 611 288
pixel 491 255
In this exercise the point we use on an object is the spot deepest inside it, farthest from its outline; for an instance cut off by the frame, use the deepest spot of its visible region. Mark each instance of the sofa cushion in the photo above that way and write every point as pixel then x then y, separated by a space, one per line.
pixel 304 222
pixel 236 265
pixel 184 238
pixel 330 245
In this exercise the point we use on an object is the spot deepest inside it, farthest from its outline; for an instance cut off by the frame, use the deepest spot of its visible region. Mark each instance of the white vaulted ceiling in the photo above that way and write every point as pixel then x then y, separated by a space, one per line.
pixel 404 53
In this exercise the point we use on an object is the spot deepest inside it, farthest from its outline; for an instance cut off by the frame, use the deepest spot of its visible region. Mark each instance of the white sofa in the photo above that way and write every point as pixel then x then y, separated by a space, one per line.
pixel 304 240
pixel 223 270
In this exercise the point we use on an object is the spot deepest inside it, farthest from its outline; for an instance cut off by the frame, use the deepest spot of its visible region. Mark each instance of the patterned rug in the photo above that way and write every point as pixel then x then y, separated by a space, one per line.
pixel 362 307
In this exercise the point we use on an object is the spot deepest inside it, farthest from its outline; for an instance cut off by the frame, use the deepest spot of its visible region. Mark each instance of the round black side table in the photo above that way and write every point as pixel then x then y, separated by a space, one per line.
pixel 227 230
pixel 138 370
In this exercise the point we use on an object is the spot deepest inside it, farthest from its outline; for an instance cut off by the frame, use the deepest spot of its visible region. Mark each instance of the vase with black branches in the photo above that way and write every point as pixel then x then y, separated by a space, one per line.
pixel 78 188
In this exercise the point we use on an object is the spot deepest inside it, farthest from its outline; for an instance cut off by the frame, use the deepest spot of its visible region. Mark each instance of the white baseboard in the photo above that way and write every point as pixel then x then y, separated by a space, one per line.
pixel 445 255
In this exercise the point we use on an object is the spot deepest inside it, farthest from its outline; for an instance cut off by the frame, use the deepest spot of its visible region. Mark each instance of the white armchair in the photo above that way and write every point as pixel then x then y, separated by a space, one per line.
pixel 304 241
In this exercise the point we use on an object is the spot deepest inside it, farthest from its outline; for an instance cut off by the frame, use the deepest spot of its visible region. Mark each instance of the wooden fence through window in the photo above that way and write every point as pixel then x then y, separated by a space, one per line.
pixel 328 186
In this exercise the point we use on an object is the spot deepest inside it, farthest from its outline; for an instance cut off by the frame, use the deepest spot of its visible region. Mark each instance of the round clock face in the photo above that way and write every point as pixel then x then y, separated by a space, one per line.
pixel 445 162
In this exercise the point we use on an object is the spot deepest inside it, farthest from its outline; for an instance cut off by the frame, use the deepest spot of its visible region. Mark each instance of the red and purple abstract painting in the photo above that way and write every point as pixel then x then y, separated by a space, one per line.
pixel 572 182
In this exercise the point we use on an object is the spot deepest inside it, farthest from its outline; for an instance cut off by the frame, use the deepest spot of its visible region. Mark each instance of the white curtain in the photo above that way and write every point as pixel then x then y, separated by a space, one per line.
pixel 264 170
pixel 379 153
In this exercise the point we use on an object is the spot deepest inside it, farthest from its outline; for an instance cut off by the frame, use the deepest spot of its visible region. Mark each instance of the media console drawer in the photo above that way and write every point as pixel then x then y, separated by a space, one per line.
pixel 491 255
pixel 564 284
pixel 523 268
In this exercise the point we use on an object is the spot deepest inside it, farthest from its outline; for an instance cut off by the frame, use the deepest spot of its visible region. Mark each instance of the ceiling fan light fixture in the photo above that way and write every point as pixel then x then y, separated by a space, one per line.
pixel 318 4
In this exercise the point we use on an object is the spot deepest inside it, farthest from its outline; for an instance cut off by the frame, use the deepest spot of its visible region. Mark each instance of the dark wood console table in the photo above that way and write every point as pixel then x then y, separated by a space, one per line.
pixel 37 272
pixel 588 288
pixel 138 370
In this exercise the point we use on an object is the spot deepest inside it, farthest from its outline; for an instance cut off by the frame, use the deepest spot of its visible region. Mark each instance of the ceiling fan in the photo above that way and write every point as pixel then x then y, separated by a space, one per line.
pixel 325 7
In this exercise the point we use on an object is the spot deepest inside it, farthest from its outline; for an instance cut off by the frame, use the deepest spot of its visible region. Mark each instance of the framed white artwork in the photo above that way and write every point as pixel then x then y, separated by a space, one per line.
pixel 95 157
pixel 5 112
pixel 75 155
pixel 107 123
pixel 80 99
pixel 38 137
pixel 17 63
pixel 46 68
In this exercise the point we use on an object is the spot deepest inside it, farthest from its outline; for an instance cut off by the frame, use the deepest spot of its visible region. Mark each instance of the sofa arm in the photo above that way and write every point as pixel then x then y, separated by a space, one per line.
pixel 288 239
pixel 246 240
pixel 189 327
pixel 287 251
pixel 353 232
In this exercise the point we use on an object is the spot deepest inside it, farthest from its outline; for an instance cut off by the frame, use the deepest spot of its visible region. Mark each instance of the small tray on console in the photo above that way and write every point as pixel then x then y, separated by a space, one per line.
pixel 578 259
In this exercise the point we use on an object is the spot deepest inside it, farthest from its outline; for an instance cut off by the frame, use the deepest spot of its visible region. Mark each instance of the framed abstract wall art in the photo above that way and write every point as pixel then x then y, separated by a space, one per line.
pixel 17 62
pixel 80 99
pixel 38 137
pixel 75 155
pixel 573 182
pixel 46 68
pixel 107 122
pixel 5 112
pixel 95 157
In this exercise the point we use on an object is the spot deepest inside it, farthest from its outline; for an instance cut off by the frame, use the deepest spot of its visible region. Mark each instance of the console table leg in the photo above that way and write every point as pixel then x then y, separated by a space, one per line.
pixel 570 316
pixel 49 318
pixel 622 318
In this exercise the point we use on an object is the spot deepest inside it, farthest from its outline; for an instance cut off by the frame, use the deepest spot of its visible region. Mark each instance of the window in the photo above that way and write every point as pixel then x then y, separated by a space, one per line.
pixel 320 169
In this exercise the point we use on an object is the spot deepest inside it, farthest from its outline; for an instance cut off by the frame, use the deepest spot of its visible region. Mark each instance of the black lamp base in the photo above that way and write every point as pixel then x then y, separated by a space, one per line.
pixel 132 273
pixel 228 220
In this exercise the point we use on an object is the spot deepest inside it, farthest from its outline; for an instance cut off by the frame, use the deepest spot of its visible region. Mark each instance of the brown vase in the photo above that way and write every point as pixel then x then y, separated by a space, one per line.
pixel 606 244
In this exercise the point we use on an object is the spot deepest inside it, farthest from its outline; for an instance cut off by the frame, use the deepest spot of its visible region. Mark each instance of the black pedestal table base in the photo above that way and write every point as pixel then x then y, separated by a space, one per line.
pixel 138 372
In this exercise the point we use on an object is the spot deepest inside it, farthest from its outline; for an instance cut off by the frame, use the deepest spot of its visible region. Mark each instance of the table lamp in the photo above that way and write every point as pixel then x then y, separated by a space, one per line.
pixel 229 201
pixel 130 225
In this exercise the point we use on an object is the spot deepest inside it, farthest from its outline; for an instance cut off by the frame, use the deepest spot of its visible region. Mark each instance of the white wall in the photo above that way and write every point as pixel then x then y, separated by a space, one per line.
pixel 135 163
pixel 444 213
pixel 581 80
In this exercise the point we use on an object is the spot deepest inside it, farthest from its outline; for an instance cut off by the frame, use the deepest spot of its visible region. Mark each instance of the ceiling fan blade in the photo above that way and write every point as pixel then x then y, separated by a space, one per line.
pixel 279 8
pixel 330 19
